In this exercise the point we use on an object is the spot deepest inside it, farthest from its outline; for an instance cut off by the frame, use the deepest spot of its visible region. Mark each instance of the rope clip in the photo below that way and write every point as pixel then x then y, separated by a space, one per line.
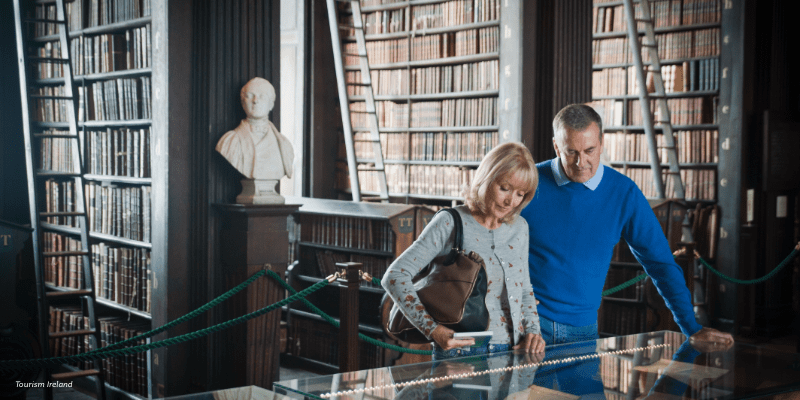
pixel 365 276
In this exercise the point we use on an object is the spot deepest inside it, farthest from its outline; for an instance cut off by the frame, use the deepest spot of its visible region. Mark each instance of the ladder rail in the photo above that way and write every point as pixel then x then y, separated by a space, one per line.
pixel 75 137
pixel 344 104
pixel 32 195
pixel 369 101
pixel 644 98
pixel 366 79
pixel 665 117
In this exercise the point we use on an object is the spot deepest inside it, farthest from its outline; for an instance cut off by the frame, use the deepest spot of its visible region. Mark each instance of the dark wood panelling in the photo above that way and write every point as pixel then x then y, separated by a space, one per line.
pixel 235 41
pixel 326 117
pixel 556 67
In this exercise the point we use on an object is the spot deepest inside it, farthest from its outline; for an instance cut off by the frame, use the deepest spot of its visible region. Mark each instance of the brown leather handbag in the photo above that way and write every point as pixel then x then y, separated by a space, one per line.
pixel 452 288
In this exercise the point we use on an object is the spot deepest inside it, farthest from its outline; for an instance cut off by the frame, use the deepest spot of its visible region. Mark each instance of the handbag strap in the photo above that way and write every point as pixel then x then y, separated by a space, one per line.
pixel 458 238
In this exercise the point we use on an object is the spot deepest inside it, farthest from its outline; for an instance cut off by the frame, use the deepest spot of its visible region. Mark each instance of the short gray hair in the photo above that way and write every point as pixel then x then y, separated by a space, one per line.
pixel 575 117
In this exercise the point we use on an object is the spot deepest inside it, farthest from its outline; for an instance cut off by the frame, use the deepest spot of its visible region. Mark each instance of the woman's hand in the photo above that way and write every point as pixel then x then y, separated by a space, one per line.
pixel 531 343
pixel 443 336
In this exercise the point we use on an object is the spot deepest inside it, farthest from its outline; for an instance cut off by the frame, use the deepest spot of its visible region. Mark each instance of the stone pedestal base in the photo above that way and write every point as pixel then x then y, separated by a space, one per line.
pixel 259 191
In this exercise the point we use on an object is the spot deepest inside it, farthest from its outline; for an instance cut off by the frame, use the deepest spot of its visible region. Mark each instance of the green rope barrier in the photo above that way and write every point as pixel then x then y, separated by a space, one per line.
pixel 186 317
pixel 11 365
pixel 624 285
pixel 772 273
pixel 376 281
pixel 362 336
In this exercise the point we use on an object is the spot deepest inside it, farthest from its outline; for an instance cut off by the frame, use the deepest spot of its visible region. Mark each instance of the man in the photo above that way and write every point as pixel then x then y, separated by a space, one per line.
pixel 579 213
pixel 256 148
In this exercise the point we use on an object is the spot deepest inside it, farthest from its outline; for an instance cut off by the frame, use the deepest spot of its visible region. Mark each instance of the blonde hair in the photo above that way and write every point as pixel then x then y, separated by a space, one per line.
pixel 506 161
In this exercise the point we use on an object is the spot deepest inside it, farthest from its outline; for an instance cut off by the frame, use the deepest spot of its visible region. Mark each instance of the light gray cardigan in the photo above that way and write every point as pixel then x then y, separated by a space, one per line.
pixel 509 297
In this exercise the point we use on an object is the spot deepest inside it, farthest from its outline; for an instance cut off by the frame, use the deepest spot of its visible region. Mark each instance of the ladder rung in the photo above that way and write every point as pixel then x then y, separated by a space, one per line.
pixel 63 334
pixel 61 214
pixel 64 253
pixel 653 45
pixel 49 59
pixel 56 173
pixel 75 374
pixel 358 84
pixel 370 169
pixel 69 294
pixel 348 27
pixel 52 136
pixel 354 54
pixel 366 141
pixel 48 21
pixel 672 172
pixel 666 147
pixel 662 122
pixel 43 96
pixel 648 20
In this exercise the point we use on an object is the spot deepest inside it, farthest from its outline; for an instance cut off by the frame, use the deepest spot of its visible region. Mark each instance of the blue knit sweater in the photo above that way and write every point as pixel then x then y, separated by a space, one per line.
pixel 573 233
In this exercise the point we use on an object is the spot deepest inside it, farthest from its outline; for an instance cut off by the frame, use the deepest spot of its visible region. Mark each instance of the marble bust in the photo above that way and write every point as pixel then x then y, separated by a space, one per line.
pixel 256 148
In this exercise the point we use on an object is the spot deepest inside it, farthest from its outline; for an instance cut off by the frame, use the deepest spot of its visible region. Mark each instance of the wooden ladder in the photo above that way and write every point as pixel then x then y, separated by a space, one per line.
pixel 660 96
pixel 34 131
pixel 376 165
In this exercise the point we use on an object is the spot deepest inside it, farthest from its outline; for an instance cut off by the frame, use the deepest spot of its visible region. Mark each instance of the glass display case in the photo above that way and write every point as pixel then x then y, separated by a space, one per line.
pixel 648 365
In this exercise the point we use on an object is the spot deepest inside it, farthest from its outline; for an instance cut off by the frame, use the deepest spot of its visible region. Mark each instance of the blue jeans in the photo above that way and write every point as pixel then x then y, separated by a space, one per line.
pixel 439 354
pixel 558 333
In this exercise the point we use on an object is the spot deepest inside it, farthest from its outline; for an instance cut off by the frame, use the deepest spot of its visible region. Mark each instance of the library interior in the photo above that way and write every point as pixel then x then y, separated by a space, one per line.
pixel 154 246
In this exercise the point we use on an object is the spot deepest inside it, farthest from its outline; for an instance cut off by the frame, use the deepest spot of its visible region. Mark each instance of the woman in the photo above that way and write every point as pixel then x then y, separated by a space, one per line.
pixel 503 185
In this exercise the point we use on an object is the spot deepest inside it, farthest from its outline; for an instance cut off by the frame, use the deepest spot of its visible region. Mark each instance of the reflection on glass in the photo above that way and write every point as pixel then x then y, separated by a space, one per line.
pixel 657 365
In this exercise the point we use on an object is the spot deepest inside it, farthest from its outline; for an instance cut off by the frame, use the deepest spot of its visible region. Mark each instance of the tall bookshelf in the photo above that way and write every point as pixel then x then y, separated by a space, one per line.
pixel 325 232
pixel 689 48
pixel 111 60
pixel 196 58
pixel 437 82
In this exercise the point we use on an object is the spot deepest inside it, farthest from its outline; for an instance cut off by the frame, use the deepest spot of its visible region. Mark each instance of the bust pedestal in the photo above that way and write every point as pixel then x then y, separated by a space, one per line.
pixel 251 235
pixel 259 191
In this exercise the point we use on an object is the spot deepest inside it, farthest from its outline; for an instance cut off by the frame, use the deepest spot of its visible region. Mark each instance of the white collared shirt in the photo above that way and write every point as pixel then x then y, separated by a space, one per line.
pixel 562 179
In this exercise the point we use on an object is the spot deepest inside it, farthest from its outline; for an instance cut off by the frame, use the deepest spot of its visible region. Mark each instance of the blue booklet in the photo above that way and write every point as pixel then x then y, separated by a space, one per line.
pixel 481 338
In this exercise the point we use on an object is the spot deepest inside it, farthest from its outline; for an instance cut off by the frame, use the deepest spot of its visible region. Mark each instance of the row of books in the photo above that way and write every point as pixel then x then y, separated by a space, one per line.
pixel 60 196
pixel 429 146
pixel 41 11
pixel 118 152
pixel 693 146
pixel 698 184
pixel 482 75
pixel 111 51
pixel 63 271
pixel 318 340
pixel 705 226
pixel 347 232
pixel 427 47
pixel 689 76
pixel 433 180
pixel 120 211
pixel 451 112
pixel 683 111
pixel 671 46
pixel 664 13
pixel 621 318
pixel 453 13
pixel 129 372
pixel 55 154
pixel 122 275
pixel 89 13
pixel 119 99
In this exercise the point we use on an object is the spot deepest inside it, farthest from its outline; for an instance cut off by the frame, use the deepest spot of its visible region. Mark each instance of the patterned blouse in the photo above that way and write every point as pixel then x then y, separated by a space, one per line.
pixel 509 297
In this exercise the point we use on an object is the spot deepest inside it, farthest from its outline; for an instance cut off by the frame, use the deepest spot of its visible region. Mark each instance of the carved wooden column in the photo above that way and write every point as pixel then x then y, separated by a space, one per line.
pixel 250 236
